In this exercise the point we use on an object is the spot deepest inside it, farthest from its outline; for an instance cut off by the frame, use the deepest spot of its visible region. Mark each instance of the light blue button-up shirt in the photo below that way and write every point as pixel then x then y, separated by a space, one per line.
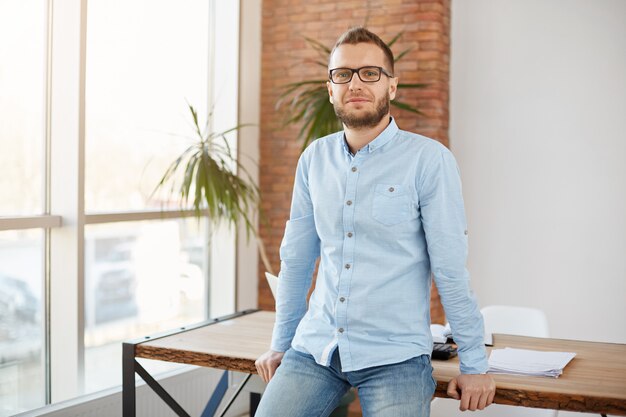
pixel 382 221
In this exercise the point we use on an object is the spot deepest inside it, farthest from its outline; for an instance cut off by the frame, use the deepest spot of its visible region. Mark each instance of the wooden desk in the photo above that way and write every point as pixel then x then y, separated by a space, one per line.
pixel 594 381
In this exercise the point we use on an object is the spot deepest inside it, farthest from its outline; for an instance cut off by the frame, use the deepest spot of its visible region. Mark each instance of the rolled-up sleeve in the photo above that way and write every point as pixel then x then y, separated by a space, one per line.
pixel 445 228
pixel 299 251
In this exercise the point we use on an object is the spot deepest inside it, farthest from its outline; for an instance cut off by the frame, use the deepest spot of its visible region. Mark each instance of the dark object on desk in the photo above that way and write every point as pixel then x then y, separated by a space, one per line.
pixel 443 351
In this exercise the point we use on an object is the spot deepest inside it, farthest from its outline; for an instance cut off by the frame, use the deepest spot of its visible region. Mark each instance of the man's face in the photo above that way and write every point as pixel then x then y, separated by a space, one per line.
pixel 361 104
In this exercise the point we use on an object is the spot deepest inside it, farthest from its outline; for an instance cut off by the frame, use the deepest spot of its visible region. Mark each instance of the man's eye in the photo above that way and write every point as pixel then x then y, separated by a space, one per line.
pixel 342 74
pixel 371 73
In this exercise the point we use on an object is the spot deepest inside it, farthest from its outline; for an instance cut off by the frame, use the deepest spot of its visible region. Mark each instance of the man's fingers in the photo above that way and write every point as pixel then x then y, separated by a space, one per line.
pixel 482 401
pixel 476 391
pixel 262 372
pixel 265 370
pixel 259 371
pixel 267 363
pixel 452 389
pixel 474 399
pixel 465 401
pixel 492 395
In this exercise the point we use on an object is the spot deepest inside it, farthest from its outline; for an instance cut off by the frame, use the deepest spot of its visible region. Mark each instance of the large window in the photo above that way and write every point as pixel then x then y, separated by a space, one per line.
pixel 140 278
pixel 145 60
pixel 93 101
pixel 22 93
pixel 22 131
pixel 22 372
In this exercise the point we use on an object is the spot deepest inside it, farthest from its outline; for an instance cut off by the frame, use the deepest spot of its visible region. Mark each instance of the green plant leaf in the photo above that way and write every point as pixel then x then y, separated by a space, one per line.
pixel 195 119
pixel 402 86
pixel 204 177
pixel 407 107
pixel 318 45
pixel 402 54
pixel 395 39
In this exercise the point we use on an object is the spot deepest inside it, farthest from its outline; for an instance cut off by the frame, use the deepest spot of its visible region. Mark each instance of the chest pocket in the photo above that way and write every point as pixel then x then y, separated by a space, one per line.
pixel 392 204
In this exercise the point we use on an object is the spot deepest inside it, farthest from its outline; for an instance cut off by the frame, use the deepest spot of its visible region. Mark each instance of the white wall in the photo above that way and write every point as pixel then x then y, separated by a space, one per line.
pixel 538 126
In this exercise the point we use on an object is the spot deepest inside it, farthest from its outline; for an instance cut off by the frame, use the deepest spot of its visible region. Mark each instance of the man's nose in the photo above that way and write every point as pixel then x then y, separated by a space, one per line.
pixel 355 82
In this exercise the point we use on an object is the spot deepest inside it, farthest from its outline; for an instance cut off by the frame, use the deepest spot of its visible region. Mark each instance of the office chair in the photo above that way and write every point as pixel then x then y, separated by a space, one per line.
pixel 522 321
pixel 272 280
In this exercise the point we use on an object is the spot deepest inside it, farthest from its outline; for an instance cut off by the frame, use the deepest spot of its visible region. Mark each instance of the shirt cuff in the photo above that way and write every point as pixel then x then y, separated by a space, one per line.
pixel 474 361
pixel 280 347
pixel 281 338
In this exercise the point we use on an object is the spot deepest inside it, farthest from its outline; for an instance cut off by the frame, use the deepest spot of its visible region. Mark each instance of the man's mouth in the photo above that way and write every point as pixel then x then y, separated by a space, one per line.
pixel 357 100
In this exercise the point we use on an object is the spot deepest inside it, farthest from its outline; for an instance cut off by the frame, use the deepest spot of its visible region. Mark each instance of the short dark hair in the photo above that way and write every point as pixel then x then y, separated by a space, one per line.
pixel 359 34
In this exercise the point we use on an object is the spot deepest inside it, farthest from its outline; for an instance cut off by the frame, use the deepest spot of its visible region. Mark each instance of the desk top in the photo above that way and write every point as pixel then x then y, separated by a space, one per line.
pixel 594 381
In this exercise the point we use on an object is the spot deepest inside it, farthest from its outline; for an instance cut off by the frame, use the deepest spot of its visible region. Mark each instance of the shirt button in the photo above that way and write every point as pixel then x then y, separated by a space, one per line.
pixel 391 189
pixel 342 299
pixel 349 202
pixel 347 266
pixel 340 330
pixel 349 234
pixel 465 232
pixel 353 169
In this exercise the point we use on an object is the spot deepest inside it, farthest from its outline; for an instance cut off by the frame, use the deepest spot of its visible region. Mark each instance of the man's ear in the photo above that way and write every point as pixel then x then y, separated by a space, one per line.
pixel 393 87
pixel 330 91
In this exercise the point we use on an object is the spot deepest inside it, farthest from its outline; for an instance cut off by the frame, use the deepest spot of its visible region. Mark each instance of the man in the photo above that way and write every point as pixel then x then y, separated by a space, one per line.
pixel 383 208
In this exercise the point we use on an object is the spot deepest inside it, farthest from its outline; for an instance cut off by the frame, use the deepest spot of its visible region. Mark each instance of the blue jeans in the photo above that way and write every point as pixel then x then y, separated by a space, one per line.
pixel 302 388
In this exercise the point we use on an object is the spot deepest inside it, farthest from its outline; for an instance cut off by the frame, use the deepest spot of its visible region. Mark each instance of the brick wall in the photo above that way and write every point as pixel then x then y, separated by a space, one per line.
pixel 285 23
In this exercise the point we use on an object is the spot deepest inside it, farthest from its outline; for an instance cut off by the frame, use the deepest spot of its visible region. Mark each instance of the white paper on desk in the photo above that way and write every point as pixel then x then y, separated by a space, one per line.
pixel 528 362
pixel 440 333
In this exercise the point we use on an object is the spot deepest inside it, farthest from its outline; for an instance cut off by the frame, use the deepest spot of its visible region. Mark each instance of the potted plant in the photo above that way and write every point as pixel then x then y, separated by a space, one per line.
pixel 208 177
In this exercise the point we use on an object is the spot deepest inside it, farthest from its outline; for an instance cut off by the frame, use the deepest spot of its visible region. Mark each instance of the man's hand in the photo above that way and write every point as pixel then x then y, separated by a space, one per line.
pixel 476 391
pixel 267 363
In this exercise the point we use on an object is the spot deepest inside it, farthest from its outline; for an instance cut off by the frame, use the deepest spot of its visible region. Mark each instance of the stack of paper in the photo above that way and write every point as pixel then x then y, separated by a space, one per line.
pixel 440 333
pixel 528 362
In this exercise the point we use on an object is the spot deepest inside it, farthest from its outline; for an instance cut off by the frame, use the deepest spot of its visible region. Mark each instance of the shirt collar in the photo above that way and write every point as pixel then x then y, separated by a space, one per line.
pixel 379 141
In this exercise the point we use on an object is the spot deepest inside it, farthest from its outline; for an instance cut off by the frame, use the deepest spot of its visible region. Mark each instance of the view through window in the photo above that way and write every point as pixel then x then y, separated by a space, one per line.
pixel 145 61
pixel 22 373
pixel 22 105
pixel 140 277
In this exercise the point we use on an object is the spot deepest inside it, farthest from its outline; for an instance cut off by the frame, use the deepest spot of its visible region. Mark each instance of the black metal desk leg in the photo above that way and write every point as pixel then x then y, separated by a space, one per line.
pixel 235 394
pixel 128 380
pixel 255 399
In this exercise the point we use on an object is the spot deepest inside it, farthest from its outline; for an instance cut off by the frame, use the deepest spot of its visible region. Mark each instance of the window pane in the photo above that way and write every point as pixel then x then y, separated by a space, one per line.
pixel 145 59
pixel 140 278
pixel 22 375
pixel 22 100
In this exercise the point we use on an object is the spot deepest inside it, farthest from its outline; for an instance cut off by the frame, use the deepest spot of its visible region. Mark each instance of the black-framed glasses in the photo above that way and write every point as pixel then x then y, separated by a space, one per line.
pixel 368 74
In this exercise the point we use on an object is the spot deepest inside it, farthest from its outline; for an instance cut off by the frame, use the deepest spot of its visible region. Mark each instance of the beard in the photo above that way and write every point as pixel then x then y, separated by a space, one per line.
pixel 369 119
